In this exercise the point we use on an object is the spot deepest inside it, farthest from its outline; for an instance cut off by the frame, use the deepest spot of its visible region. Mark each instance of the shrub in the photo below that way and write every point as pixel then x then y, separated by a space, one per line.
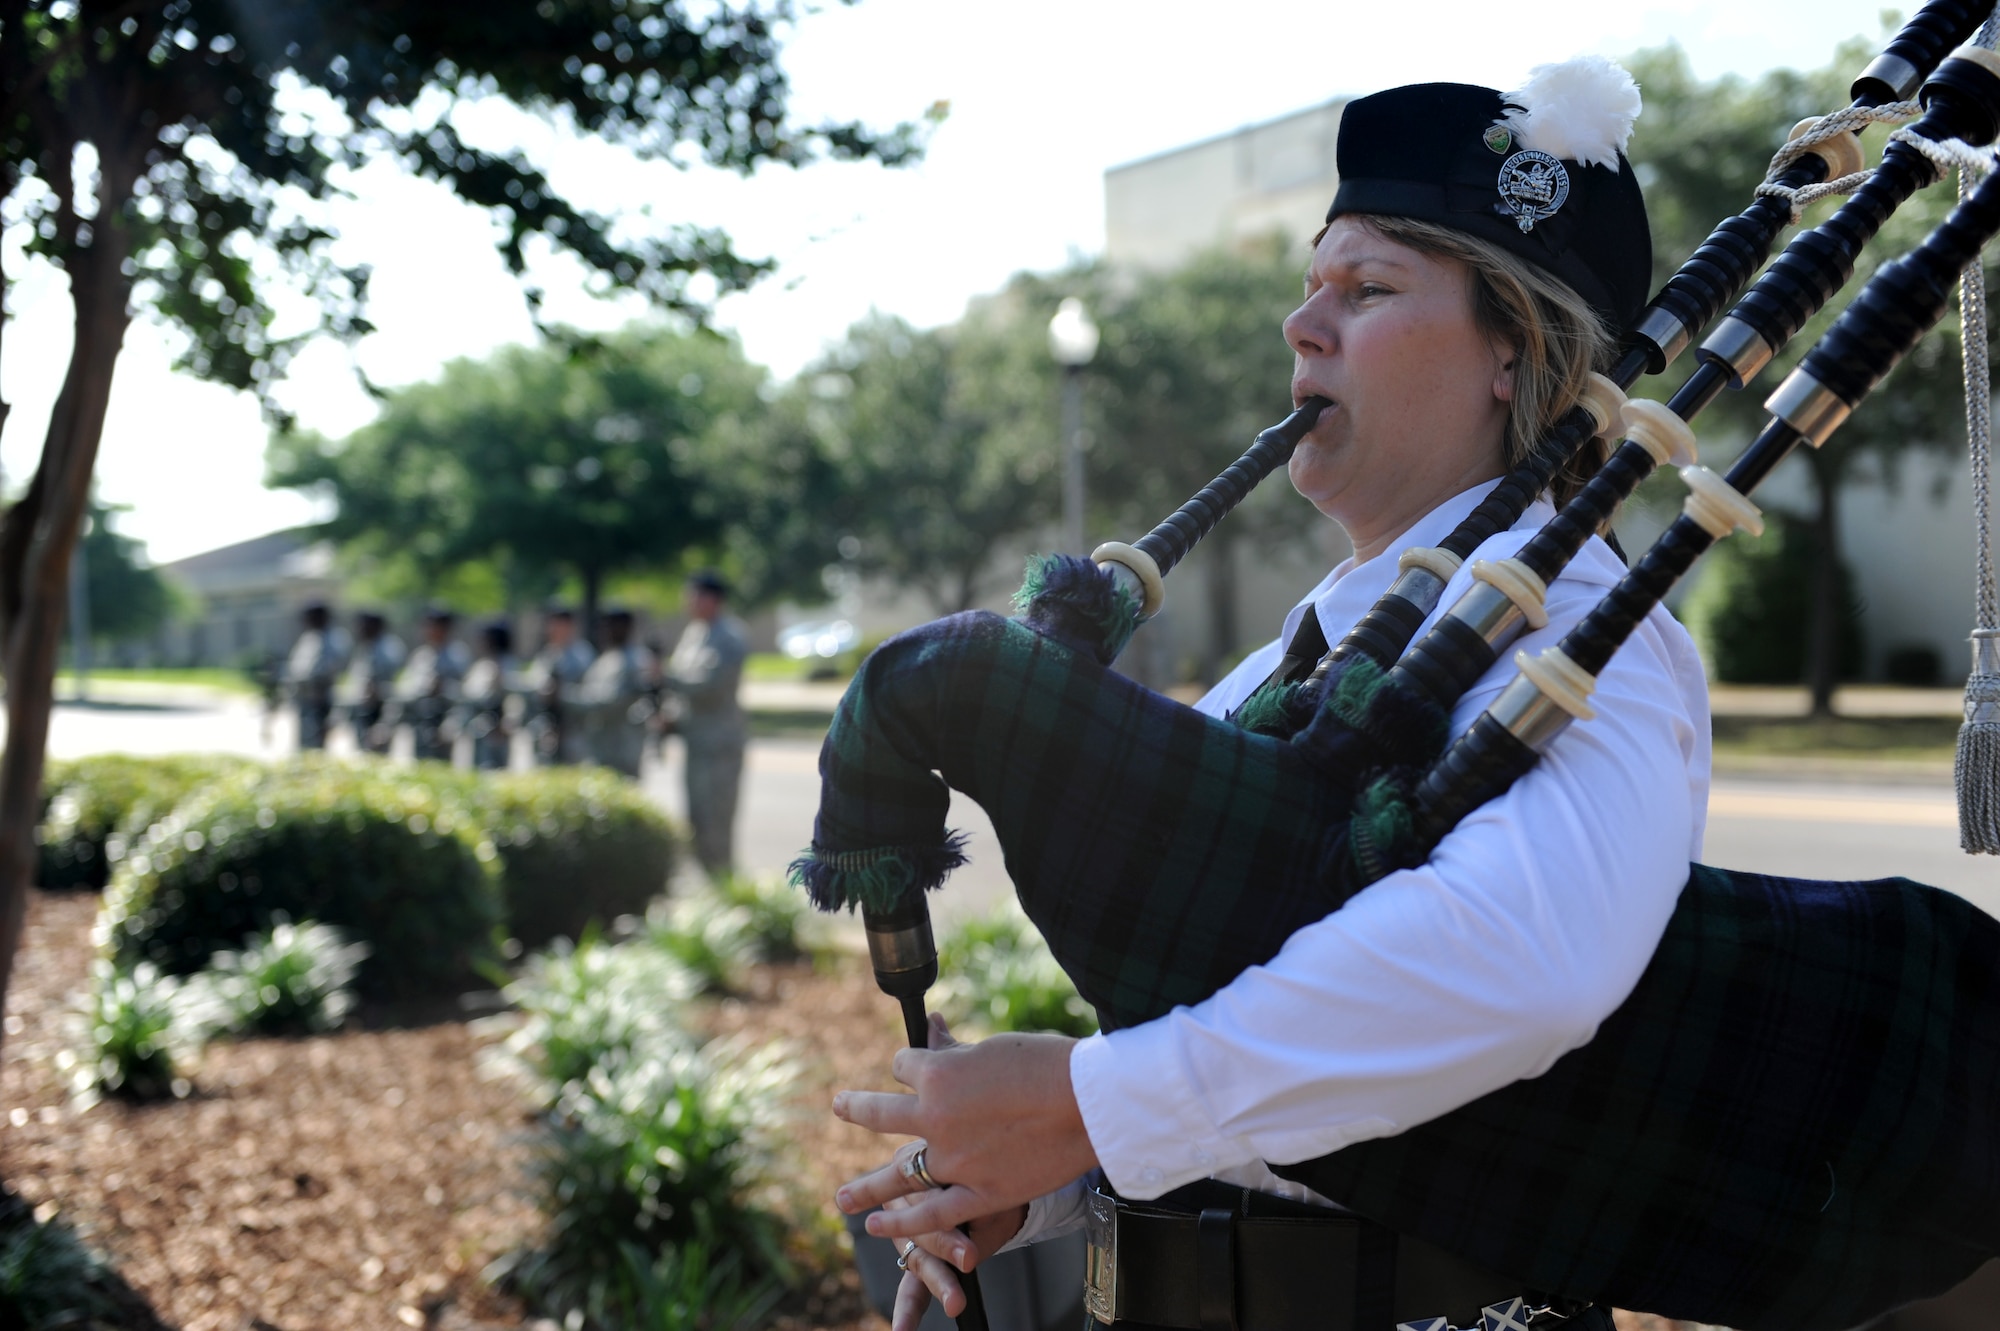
pixel 663 1151
pixel 707 935
pixel 140 1029
pixel 292 981
pixel 374 851
pixel 774 912
pixel 1751 610
pixel 683 1289
pixel 576 846
pixel 996 974
pixel 96 804
pixel 596 1004
pixel 47 1277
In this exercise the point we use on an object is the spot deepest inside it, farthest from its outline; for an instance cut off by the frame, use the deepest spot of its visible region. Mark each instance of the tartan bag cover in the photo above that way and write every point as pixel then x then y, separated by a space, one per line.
pixel 1792 1124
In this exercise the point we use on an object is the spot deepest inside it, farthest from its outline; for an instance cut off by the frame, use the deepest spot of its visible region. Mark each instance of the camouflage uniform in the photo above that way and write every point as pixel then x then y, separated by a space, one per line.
pixel 704 673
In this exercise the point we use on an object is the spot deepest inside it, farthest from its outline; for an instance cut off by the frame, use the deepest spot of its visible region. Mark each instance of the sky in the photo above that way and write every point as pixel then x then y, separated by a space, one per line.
pixel 1044 96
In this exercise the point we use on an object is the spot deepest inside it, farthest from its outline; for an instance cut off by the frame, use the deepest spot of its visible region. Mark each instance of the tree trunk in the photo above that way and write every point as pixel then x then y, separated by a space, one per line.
pixel 1823 632
pixel 37 541
pixel 1221 588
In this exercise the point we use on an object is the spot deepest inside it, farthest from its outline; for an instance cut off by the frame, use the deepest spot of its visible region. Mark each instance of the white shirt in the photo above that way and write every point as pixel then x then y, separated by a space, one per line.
pixel 1437 985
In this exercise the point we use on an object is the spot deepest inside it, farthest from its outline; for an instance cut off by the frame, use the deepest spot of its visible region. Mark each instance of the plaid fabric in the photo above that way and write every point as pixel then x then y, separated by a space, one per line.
pixel 1792 1124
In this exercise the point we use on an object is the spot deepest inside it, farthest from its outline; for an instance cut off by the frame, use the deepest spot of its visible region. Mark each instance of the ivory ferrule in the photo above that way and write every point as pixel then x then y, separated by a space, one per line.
pixel 1666 332
pixel 1896 74
pixel 1489 612
pixel 1808 406
pixel 1528 714
pixel 1134 571
pixel 1740 347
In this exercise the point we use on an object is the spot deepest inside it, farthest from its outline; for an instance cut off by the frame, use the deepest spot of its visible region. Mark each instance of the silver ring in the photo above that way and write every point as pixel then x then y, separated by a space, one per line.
pixel 918 1171
pixel 903 1262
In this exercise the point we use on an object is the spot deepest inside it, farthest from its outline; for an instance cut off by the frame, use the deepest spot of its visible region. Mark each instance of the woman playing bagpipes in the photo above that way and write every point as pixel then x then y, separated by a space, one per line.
pixel 1502 1073
pixel 1448 336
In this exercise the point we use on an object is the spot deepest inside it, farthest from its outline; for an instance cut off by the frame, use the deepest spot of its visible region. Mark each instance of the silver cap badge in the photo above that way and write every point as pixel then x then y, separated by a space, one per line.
pixel 1532 186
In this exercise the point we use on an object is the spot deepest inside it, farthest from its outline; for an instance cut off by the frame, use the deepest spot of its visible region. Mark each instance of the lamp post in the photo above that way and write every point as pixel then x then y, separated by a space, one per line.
pixel 1072 341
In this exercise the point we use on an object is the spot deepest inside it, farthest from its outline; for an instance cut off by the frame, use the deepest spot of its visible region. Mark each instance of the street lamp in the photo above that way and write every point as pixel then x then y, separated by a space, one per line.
pixel 1072 341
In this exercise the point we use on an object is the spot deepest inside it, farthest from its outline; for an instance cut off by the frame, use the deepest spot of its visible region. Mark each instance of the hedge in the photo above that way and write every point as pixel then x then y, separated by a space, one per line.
pixel 95 804
pixel 576 846
pixel 379 852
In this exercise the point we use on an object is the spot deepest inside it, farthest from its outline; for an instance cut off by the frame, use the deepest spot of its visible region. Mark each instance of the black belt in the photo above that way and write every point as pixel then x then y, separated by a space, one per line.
pixel 1214 1257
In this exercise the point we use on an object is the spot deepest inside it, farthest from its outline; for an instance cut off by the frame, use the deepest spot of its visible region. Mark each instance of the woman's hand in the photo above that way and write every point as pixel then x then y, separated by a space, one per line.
pixel 932 1267
pixel 999 1124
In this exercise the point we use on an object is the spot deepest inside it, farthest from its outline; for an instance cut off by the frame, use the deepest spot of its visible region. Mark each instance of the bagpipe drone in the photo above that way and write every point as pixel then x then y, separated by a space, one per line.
pixel 1793 1122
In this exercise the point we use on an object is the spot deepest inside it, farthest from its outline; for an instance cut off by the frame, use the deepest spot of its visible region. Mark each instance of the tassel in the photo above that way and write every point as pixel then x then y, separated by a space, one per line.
pixel 1978 768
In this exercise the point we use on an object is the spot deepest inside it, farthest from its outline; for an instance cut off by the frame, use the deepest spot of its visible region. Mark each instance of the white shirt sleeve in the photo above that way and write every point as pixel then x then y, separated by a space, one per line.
pixel 1531 923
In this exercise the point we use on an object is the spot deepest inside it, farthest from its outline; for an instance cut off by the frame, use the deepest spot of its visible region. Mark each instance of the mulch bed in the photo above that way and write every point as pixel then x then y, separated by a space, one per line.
pixel 363 1179
pixel 366 1179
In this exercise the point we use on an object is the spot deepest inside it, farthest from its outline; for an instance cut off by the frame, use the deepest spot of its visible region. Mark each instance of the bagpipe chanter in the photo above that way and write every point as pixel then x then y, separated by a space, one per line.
pixel 1793 1122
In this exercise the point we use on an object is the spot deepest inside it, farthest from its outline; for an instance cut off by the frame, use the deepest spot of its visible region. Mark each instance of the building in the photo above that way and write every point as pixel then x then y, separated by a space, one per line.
pixel 1274 178
pixel 249 596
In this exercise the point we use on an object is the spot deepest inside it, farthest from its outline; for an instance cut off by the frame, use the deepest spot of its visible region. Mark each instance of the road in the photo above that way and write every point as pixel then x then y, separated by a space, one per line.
pixel 1803 821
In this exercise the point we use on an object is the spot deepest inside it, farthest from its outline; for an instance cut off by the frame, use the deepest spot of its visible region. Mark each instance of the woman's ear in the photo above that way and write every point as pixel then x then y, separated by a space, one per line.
pixel 1503 374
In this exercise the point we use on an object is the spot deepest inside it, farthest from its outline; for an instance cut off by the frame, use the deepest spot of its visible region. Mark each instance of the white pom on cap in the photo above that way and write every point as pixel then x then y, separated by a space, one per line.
pixel 1581 109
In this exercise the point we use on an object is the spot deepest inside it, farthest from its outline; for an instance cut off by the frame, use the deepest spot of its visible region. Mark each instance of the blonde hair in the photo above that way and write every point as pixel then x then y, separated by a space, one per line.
pixel 1556 337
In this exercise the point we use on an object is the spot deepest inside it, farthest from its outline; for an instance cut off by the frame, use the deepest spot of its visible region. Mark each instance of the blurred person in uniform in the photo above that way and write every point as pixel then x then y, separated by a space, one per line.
pixel 371 673
pixel 550 681
pixel 316 661
pixel 703 674
pixel 428 687
pixel 481 714
pixel 615 699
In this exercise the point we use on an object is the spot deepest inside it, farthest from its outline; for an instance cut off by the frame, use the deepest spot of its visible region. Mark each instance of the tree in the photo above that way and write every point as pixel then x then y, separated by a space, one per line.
pixel 165 156
pixel 583 457
pixel 128 597
pixel 1193 365
pixel 939 446
pixel 1700 150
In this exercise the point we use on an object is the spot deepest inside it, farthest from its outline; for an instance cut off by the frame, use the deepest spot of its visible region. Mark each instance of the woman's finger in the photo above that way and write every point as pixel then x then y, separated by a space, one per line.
pixel 879 1111
pixel 913 1298
pixel 939 1280
pixel 940 1032
pixel 879 1187
pixel 929 1211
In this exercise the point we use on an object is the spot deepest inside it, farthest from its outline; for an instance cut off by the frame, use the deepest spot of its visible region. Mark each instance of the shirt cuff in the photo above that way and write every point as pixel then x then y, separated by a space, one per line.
pixel 1145 1119
pixel 1050 1216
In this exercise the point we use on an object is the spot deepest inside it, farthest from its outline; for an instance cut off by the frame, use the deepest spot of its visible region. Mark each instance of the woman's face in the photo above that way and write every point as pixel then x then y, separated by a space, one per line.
pixel 1419 394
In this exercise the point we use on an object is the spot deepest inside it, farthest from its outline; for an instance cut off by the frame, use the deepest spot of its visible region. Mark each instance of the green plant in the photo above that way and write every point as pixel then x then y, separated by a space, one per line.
pixel 683 1288
pixel 380 853
pixel 576 846
pixel 707 934
pixel 292 981
pixel 596 1004
pixel 996 974
pixel 97 805
pixel 140 1029
pixel 774 914
pixel 658 1152
pixel 47 1277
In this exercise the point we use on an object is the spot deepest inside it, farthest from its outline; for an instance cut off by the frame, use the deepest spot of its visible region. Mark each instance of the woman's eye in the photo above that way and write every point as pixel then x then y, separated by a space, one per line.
pixel 1369 290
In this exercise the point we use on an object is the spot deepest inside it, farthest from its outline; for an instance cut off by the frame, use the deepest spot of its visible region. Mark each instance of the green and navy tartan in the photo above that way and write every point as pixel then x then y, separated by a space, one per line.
pixel 1793 1123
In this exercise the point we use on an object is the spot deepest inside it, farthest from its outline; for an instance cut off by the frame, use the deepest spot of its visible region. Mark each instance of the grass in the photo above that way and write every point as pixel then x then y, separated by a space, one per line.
pixel 208 677
pixel 1887 738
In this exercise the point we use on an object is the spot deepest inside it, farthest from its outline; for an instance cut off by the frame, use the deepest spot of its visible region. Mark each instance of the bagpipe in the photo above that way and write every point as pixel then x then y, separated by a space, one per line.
pixel 1793 1122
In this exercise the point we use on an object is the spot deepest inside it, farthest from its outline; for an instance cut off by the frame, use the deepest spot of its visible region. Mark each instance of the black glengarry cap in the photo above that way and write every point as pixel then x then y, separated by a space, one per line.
pixel 1540 172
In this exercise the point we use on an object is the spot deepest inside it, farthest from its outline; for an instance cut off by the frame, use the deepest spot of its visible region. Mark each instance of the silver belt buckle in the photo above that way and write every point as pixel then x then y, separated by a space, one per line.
pixel 1100 1262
